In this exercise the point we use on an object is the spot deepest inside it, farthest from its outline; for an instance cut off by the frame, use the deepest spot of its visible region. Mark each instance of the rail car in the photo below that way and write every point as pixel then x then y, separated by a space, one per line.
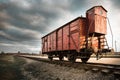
pixel 79 38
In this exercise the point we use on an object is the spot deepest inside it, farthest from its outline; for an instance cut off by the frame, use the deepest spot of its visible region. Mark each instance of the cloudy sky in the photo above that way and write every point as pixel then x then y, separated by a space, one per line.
pixel 24 22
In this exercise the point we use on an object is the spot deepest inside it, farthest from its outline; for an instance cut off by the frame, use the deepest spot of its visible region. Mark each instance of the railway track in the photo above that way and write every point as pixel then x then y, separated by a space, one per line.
pixel 94 67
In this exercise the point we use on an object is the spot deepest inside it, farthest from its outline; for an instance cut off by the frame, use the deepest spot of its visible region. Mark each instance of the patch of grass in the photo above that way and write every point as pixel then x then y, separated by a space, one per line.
pixel 11 69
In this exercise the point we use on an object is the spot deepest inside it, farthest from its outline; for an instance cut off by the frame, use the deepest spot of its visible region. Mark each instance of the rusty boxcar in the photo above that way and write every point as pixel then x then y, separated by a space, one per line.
pixel 80 37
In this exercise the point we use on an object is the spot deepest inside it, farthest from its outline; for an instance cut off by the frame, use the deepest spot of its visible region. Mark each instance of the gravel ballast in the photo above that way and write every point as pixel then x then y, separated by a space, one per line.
pixel 38 70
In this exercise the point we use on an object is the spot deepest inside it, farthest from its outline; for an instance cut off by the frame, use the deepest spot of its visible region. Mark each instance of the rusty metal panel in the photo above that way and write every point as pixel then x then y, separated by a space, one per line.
pixel 53 41
pixel 66 37
pixel 90 21
pixel 74 41
pixel 49 43
pixel 61 42
pixel 100 24
pixel 100 11
pixel 44 44
pixel 96 18
pixel 59 39
pixel 78 32
pixel 83 32
pixel 83 27
pixel 74 35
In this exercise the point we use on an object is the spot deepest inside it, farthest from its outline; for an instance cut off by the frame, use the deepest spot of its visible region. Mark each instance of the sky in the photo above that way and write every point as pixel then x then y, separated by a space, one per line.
pixel 24 22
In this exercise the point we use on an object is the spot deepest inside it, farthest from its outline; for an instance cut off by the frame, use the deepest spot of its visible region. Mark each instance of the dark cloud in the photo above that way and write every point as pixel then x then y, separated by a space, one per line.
pixel 116 3
pixel 23 22
pixel 78 4
pixel 2 27
pixel 38 9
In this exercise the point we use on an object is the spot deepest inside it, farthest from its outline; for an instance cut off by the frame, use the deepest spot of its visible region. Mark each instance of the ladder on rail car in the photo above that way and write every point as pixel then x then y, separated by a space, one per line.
pixel 87 41
pixel 103 45
pixel 103 42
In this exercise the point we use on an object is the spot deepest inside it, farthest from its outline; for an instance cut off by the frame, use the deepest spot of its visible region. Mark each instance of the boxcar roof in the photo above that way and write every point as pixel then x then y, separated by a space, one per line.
pixel 97 6
pixel 65 25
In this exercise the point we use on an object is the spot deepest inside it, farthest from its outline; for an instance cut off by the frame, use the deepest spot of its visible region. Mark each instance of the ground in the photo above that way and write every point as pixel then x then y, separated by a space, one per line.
pixel 19 68
pixel 10 68
pixel 47 71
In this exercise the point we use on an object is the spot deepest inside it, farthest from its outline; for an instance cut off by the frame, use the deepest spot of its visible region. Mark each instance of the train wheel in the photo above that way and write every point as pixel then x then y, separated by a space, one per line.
pixel 72 58
pixel 61 57
pixel 50 57
pixel 84 60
